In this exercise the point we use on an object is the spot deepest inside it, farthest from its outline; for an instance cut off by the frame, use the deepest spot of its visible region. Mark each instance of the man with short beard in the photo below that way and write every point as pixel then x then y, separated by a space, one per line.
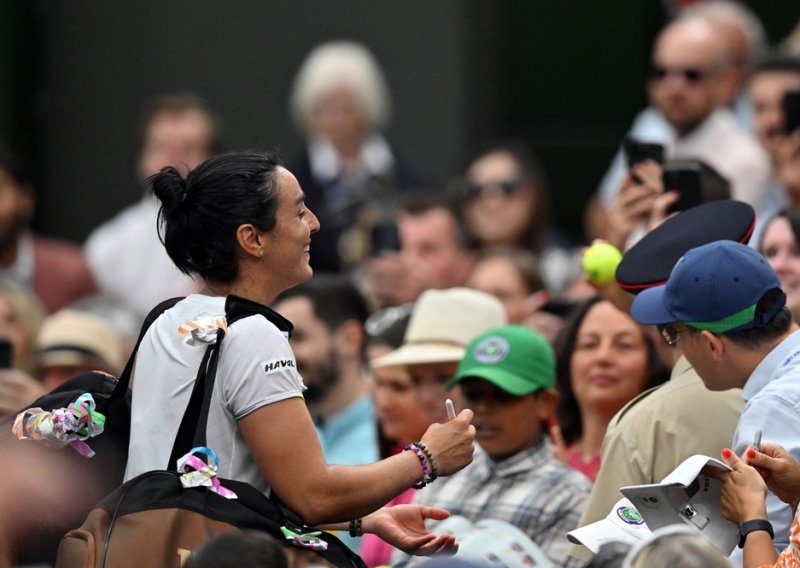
pixel 328 314
pixel 691 79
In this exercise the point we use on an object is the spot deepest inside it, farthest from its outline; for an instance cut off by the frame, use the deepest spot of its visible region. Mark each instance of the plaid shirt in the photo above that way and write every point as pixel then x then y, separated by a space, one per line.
pixel 532 490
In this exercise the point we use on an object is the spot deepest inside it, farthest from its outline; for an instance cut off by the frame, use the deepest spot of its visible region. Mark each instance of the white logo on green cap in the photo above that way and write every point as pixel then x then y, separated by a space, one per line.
pixel 491 350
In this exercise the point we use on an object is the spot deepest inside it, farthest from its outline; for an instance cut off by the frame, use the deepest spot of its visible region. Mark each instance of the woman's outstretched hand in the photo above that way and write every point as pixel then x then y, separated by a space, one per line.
pixel 403 526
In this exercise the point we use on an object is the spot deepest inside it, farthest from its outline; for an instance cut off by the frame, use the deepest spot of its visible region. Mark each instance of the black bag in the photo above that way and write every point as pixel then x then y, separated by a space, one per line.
pixel 89 479
pixel 152 520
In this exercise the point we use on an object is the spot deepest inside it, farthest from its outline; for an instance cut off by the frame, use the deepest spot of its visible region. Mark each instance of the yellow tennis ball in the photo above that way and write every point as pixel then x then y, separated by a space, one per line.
pixel 600 262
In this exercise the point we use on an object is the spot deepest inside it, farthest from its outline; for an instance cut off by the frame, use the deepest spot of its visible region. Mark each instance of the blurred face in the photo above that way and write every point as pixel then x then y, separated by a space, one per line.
pixel 179 139
pixel 780 248
pixel 500 204
pixel 686 81
pixel 54 376
pixel 16 208
pixel 312 344
pixel 766 91
pixel 498 276
pixel 14 329
pixel 608 366
pixel 287 244
pixel 339 118
pixel 430 242
pixel 429 380
pixel 505 424
pixel 402 418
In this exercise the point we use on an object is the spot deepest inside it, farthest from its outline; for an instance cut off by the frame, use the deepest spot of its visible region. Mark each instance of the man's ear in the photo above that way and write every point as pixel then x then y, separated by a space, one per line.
pixel 714 344
pixel 349 338
pixel 250 240
pixel 546 403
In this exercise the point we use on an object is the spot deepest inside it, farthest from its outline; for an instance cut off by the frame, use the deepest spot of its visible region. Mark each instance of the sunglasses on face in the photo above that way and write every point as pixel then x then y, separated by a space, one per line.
pixel 670 333
pixel 689 74
pixel 506 187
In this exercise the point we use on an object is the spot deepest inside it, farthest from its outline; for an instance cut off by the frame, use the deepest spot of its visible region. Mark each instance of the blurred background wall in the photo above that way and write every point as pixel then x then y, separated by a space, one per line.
pixel 566 76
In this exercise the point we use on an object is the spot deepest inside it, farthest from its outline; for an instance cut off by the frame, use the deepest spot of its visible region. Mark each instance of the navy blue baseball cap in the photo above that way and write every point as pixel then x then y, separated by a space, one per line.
pixel 715 287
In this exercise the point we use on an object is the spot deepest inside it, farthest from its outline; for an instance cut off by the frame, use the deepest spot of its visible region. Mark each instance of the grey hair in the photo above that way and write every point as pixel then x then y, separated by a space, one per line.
pixel 728 12
pixel 332 63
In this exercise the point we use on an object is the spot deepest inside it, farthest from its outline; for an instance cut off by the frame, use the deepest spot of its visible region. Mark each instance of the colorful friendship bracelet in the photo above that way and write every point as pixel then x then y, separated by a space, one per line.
pixel 422 462
pixel 431 460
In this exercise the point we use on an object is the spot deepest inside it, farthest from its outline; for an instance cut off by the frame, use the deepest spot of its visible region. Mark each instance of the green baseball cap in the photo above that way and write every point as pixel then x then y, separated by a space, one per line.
pixel 514 358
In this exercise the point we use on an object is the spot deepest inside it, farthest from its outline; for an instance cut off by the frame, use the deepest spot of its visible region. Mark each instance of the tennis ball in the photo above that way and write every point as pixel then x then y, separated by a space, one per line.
pixel 600 262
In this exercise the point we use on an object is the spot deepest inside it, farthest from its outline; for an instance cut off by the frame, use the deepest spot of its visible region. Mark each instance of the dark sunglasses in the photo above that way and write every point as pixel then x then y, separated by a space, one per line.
pixel 689 75
pixel 670 333
pixel 507 187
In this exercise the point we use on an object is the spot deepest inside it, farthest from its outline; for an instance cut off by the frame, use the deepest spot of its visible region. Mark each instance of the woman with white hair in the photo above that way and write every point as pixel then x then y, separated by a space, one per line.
pixel 340 102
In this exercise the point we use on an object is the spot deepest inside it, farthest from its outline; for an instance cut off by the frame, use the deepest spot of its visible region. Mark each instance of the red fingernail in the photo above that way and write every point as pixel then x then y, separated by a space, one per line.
pixel 751 453
pixel 726 453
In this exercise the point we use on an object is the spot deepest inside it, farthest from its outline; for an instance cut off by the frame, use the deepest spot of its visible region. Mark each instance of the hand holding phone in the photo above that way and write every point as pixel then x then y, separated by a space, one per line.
pixel 637 151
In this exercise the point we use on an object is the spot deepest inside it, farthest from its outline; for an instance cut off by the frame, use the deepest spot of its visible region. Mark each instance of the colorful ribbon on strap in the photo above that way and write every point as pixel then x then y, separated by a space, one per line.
pixel 309 540
pixel 197 473
pixel 73 424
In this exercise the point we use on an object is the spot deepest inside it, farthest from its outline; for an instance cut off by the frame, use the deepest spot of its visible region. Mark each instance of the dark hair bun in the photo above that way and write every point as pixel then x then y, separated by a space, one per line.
pixel 170 188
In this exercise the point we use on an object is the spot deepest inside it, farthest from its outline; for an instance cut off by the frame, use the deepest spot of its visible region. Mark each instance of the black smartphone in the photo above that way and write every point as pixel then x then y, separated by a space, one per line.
pixel 637 151
pixel 697 183
pixel 791 111
pixel 385 237
pixel 6 354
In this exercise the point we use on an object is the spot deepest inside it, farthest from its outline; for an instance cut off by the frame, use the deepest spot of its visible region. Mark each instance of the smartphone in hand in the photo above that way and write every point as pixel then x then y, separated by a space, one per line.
pixel 6 354
pixel 791 111
pixel 637 151
pixel 697 183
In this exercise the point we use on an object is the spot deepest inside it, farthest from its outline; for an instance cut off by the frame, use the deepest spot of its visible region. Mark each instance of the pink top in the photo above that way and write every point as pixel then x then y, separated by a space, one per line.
pixel 589 468
pixel 374 550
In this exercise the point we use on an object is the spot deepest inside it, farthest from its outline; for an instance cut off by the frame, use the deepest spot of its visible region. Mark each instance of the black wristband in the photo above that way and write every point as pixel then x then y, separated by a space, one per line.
pixel 355 527
pixel 753 525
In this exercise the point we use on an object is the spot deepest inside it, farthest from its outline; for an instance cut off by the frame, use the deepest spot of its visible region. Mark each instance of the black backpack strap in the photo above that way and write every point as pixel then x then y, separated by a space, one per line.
pixel 125 378
pixel 192 430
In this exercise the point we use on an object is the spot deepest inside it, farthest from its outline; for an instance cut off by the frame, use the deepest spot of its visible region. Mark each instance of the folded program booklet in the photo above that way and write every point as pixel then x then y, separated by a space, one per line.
pixel 689 496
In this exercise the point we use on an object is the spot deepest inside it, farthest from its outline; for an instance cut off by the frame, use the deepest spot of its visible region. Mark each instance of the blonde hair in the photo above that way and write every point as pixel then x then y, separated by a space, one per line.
pixel 29 310
pixel 331 64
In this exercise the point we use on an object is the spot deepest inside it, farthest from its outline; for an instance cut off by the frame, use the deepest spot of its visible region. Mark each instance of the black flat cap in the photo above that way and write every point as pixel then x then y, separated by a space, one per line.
pixel 649 262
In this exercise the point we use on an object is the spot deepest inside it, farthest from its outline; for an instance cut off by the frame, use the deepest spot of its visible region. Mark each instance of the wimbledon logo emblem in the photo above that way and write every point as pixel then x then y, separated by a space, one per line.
pixel 630 515
pixel 491 350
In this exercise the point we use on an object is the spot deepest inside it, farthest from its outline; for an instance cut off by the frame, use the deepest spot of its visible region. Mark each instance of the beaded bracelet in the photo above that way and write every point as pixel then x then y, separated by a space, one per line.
pixel 355 528
pixel 431 460
pixel 423 462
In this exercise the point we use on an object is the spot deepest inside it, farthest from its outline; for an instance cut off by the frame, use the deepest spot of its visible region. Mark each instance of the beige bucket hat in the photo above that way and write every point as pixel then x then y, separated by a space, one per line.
pixel 73 337
pixel 442 323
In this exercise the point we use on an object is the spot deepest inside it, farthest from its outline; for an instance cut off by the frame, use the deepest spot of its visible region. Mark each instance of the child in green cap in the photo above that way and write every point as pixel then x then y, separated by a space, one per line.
pixel 507 378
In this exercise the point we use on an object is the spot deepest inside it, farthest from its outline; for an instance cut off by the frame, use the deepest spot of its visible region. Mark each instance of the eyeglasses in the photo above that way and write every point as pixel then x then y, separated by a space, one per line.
pixel 507 187
pixel 689 74
pixel 670 333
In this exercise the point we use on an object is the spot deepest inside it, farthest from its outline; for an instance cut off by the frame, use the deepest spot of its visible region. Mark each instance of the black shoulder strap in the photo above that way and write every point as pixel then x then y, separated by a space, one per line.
pixel 125 378
pixel 192 430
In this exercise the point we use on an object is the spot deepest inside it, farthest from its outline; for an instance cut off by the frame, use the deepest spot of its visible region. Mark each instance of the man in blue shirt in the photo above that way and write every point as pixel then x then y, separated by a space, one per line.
pixel 723 307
